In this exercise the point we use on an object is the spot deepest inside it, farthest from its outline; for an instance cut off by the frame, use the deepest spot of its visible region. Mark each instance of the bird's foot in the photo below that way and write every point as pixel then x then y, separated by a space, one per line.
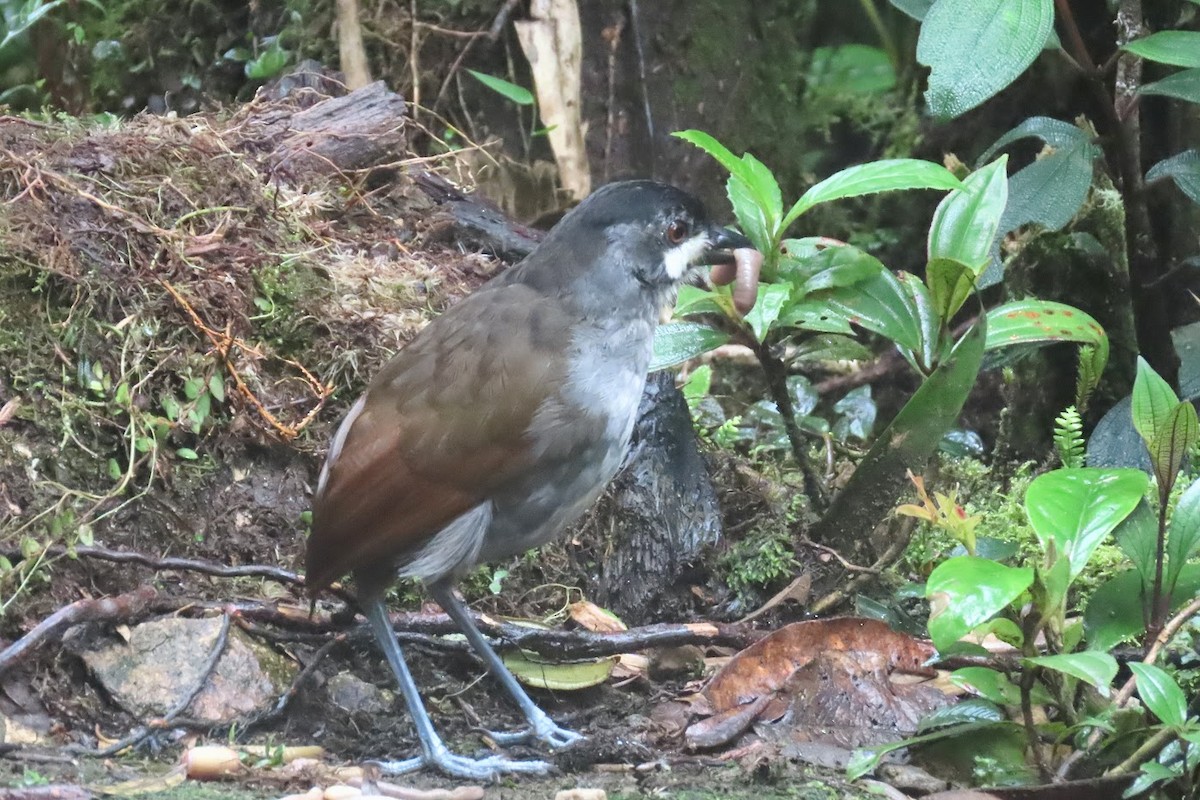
pixel 542 729
pixel 472 769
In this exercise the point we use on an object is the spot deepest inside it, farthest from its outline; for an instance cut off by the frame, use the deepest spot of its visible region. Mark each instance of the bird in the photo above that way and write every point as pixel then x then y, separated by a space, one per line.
pixel 499 424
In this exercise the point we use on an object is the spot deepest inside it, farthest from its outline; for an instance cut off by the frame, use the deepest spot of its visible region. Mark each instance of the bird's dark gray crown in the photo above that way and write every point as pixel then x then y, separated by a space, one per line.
pixel 639 201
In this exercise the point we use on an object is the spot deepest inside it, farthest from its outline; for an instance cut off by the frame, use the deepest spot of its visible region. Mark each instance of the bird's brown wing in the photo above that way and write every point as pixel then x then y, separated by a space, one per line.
pixel 442 425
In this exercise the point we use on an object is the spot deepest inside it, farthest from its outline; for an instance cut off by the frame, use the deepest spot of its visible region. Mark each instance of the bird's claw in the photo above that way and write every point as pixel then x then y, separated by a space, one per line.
pixel 544 730
pixel 473 769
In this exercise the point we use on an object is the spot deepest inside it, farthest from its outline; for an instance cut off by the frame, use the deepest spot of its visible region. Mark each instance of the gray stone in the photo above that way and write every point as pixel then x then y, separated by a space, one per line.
pixel 163 660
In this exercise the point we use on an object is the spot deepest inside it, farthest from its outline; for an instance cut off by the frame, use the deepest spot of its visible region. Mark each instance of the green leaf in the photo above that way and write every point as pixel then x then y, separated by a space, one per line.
pixel 836 268
pixel 950 284
pixel 967 220
pixel 1076 508
pixel 850 69
pixel 192 388
pixel 1177 48
pixel 927 319
pixel 966 591
pixel 1153 402
pixel 676 342
pixel 1092 667
pixel 814 315
pixel 518 94
pixel 715 149
pixel 751 214
pixel 881 305
pixel 1044 322
pixel 1050 191
pixel 771 299
pixel 269 63
pixel 694 300
pixel 988 683
pixel 1054 132
pixel 1183 85
pixel 1137 536
pixel 876 176
pixel 1184 169
pixel 974 710
pixel 1183 537
pixel 1115 611
pixel 216 387
pixel 975 48
pixel 917 9
pixel 1174 441
pixel 907 443
pixel 187 453
pixel 831 347
pixel 1160 693
pixel 532 671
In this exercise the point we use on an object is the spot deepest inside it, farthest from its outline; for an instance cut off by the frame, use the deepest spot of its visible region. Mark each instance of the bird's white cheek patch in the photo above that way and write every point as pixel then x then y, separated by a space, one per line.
pixel 677 260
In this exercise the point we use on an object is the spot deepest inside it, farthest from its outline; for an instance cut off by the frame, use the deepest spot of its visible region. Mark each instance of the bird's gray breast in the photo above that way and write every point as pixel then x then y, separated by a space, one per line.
pixel 579 435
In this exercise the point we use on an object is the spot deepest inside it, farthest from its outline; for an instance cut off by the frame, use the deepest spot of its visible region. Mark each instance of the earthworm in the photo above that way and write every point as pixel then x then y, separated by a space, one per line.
pixel 742 272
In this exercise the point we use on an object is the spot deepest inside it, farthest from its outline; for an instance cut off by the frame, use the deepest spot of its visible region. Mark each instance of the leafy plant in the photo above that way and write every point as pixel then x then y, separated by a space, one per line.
pixel 819 287
pixel 957 35
pixel 1072 511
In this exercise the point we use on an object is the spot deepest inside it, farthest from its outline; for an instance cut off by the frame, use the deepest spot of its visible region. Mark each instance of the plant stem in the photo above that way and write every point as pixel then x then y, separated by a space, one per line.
pixel 776 374
pixel 1157 606
pixel 885 36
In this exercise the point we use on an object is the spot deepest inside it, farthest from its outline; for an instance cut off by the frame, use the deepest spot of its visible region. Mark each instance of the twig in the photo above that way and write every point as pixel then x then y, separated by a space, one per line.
pixel 895 550
pixel 143 732
pixel 121 607
pixel 276 574
pixel 222 343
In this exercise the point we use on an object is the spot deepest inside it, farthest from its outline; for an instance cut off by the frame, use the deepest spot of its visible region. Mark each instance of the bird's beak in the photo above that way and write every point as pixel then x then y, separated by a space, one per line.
pixel 723 242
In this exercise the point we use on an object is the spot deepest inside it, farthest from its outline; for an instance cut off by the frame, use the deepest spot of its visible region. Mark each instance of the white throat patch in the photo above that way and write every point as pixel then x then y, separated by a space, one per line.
pixel 683 255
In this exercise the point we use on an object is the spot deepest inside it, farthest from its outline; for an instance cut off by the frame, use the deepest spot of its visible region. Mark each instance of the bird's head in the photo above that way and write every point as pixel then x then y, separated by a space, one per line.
pixel 628 241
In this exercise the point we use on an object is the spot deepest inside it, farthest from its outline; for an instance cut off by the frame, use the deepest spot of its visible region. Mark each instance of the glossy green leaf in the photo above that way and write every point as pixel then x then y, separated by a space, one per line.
pixel 871 178
pixel 751 213
pixel 1091 666
pixel 975 48
pixel 907 443
pixel 1153 402
pixel 1183 533
pixel 1044 322
pixel 771 299
pixel 511 91
pixel 532 671
pixel 720 152
pixel 831 347
pixel 1076 508
pixel 1137 536
pixel 1184 169
pixel 814 315
pixel 694 300
pixel 1050 585
pixel 879 304
pixel 1174 441
pixel 1183 85
pixel 1160 693
pixel 676 342
pixel 967 591
pixel 988 683
pixel 950 283
pixel 1115 611
pixel 866 760
pixel 929 323
pixel 839 267
pixel 1177 48
pixel 967 220
pixel 187 453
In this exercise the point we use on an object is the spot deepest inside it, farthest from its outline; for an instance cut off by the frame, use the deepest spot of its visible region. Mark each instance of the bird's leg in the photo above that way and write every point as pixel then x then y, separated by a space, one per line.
pixel 541 726
pixel 434 752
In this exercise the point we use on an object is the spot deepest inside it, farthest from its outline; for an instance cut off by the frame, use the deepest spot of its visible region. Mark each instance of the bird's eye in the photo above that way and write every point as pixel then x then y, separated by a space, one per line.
pixel 677 231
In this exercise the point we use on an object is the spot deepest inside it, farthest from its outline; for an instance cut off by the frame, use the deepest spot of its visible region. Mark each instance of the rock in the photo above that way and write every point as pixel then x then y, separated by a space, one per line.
pixel 353 694
pixel 581 794
pixel 163 660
